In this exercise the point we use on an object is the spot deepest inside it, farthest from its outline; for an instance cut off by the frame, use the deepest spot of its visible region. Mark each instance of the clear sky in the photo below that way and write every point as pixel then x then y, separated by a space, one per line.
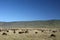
pixel 26 10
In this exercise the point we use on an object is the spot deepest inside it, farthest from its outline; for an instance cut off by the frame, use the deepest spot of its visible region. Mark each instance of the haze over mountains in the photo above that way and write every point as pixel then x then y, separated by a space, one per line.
pixel 30 24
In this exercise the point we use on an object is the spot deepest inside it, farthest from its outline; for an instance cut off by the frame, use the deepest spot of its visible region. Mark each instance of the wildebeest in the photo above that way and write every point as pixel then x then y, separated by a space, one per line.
pixel 7 30
pixel 54 31
pixel 4 33
pixel 26 31
pixel 42 30
pixel 52 35
pixel 0 30
pixel 14 31
pixel 36 32
pixel 20 32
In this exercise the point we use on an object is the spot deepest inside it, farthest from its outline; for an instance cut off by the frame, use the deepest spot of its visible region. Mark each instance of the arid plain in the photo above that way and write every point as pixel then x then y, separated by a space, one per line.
pixel 33 30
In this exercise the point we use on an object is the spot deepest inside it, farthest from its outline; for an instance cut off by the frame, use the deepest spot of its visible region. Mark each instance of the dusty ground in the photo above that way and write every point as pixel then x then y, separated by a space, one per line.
pixel 33 34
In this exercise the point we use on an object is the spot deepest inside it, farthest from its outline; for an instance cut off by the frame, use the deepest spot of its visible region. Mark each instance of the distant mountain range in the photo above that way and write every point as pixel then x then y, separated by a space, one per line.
pixel 30 24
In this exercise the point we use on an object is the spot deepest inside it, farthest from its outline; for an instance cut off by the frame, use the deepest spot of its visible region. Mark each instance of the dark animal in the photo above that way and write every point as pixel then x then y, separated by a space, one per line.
pixel 54 31
pixel 20 32
pixel 4 33
pixel 0 30
pixel 52 35
pixel 14 31
pixel 36 32
pixel 7 31
pixel 26 31
pixel 42 30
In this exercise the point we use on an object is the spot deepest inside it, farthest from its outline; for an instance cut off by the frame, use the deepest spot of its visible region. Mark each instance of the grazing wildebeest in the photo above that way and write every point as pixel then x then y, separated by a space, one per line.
pixel 26 31
pixel 36 32
pixel 54 31
pixel 7 30
pixel 42 30
pixel 14 31
pixel 4 33
pixel 52 35
pixel 20 32
pixel 0 30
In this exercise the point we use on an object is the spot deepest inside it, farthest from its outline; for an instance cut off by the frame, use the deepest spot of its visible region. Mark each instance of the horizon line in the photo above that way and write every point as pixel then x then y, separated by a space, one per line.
pixel 29 20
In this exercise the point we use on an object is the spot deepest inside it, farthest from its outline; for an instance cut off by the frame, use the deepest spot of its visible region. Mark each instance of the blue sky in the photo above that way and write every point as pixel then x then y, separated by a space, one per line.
pixel 27 10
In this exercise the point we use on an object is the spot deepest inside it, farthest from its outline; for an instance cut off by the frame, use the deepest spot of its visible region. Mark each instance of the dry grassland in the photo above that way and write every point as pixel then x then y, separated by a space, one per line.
pixel 30 34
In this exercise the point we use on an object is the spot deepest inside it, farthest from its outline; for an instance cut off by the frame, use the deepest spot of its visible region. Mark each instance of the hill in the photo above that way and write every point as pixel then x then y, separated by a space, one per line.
pixel 31 24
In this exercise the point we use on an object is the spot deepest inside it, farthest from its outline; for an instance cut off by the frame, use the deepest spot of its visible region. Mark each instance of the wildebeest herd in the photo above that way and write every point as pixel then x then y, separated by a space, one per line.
pixel 50 33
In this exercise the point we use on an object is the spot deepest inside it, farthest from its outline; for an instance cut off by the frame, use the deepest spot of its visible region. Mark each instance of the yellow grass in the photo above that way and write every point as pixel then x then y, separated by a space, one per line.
pixel 31 35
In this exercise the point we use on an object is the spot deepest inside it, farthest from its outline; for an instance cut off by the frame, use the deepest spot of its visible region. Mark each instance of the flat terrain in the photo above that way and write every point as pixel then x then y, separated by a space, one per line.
pixel 32 34
pixel 30 30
